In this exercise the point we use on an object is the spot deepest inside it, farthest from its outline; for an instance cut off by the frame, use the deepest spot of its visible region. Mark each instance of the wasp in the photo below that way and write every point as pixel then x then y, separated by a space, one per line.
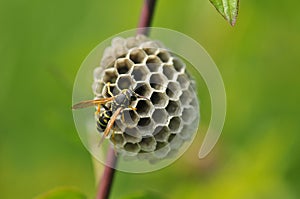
pixel 103 119
pixel 107 118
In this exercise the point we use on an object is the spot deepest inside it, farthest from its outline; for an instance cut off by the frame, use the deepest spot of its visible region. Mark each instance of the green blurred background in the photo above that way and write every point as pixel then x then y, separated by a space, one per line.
pixel 42 44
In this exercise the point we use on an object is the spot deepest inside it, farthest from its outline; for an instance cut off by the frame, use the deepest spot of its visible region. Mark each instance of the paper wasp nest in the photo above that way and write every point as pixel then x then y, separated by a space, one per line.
pixel 161 124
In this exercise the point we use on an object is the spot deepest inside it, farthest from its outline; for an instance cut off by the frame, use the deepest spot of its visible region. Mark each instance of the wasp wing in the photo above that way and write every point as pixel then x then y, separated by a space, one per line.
pixel 110 125
pixel 88 103
pixel 111 121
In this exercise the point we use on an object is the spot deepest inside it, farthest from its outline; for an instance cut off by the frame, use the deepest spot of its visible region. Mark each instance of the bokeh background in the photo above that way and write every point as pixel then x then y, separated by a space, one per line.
pixel 42 44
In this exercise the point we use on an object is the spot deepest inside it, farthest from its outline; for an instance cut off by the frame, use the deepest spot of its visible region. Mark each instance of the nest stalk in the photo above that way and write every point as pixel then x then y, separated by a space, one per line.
pixel 105 183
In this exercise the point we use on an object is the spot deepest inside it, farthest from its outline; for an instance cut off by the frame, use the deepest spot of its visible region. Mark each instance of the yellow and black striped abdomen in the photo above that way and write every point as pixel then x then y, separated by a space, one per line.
pixel 103 120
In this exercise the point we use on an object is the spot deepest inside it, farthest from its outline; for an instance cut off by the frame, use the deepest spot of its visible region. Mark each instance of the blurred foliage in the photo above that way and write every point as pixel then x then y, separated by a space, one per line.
pixel 144 195
pixel 62 193
pixel 42 44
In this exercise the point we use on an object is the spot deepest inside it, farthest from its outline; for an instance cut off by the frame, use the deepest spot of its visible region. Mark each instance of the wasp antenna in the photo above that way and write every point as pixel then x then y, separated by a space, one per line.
pixel 75 106
pixel 140 96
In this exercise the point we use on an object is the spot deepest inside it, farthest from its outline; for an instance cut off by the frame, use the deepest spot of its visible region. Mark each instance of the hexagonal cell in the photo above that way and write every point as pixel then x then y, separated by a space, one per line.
pixel 183 81
pixel 97 88
pixel 189 114
pixel 119 125
pixel 148 144
pixel 137 55
pixel 186 133
pixel 107 62
pixel 160 116
pixel 144 121
pixel 144 107
pixel 132 132
pixel 158 81
pixel 118 45
pixel 128 156
pixel 141 38
pixel 97 74
pixel 145 155
pixel 161 133
pixel 108 57
pixel 175 124
pixel 172 153
pixel 153 159
pixel 159 100
pixel 145 125
pixel 173 90
pixel 132 135
pixel 143 89
pixel 131 42
pixel 160 145
pixel 185 97
pixel 130 117
pixel 153 63
pixel 173 108
pixel 117 139
pixel 194 102
pixel 163 55
pixel 124 82
pixel 113 88
pixel 110 75
pixel 178 64
pixel 171 137
pixel 192 87
pixel 176 142
pixel 151 44
pixel 140 72
pixel 150 51
pixel 162 149
pixel 121 52
pixel 110 65
pixel 169 71
pixel 117 41
pixel 123 65
pixel 132 147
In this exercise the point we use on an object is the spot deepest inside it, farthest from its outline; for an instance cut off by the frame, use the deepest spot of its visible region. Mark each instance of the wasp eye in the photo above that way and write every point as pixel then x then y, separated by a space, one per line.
pixel 133 98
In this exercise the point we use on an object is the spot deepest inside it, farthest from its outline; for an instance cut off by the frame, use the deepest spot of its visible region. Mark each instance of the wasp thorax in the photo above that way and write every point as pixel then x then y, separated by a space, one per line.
pixel 160 108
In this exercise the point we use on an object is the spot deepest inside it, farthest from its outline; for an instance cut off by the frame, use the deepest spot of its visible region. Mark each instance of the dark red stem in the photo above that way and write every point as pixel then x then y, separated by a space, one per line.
pixel 105 183
pixel 146 17
pixel 108 175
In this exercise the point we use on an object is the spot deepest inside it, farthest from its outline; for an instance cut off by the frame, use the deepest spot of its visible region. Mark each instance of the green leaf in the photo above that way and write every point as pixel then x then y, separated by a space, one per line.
pixel 62 193
pixel 228 9
pixel 145 195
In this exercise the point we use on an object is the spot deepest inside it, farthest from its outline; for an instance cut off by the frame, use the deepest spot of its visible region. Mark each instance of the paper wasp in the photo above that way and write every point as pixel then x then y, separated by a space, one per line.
pixel 108 117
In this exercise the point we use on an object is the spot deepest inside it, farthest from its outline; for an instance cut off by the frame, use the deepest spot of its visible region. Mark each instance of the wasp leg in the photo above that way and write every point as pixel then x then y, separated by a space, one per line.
pixel 113 137
pixel 111 122
pixel 133 108
pixel 108 89
pixel 114 142
pixel 122 117
pixel 98 109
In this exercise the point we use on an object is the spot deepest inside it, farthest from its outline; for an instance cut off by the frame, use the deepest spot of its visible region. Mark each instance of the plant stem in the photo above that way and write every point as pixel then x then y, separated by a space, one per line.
pixel 146 16
pixel 109 171
pixel 108 174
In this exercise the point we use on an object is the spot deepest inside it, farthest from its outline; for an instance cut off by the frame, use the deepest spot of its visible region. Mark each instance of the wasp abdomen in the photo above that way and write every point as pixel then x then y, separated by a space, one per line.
pixel 103 120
